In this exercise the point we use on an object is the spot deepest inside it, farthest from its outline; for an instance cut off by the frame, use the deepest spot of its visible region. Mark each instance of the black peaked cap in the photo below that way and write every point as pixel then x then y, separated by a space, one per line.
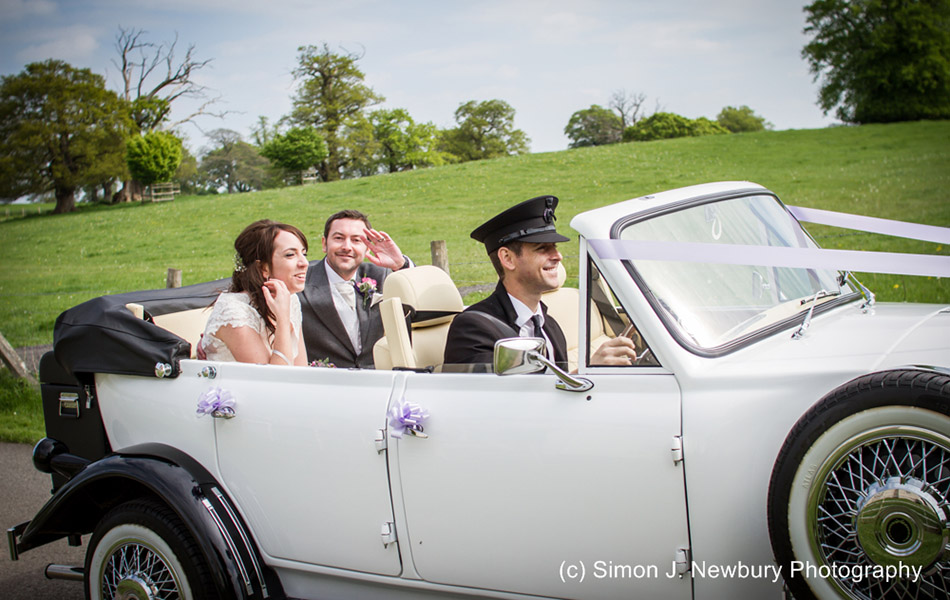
pixel 530 221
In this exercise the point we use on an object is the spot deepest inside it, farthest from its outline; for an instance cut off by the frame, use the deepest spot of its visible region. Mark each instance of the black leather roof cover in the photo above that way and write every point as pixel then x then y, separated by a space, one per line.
pixel 103 336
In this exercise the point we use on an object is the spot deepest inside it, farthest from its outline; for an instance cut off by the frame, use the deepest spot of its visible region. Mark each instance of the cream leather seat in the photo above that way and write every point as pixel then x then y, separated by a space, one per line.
pixel 186 324
pixel 426 297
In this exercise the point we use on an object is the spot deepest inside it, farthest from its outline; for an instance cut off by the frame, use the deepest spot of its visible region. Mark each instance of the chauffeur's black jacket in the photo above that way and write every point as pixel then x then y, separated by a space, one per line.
pixel 471 338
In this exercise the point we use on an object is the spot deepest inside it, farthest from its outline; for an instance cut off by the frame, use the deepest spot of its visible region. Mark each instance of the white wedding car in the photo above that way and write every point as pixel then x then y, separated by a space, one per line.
pixel 780 434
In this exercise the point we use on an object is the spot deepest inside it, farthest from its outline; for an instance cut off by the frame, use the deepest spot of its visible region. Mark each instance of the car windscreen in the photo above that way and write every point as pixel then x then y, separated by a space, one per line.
pixel 709 305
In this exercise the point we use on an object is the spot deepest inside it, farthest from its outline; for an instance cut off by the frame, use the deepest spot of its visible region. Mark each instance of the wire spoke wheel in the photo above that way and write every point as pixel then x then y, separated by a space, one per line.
pixel 859 500
pixel 142 551
pixel 878 516
pixel 136 571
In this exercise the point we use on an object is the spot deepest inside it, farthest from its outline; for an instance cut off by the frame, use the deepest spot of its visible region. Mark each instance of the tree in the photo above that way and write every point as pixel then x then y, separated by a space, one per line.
pixel 594 126
pixel 881 61
pixel 263 132
pixel 742 119
pixel 233 164
pixel 403 143
pixel 153 157
pixel 331 94
pixel 297 150
pixel 58 127
pixel 703 126
pixel 485 130
pixel 664 125
pixel 187 175
pixel 153 79
pixel 659 126
pixel 359 149
pixel 628 106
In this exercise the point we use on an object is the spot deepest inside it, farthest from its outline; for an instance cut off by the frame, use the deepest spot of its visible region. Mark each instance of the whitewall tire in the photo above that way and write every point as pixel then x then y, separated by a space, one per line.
pixel 142 551
pixel 859 502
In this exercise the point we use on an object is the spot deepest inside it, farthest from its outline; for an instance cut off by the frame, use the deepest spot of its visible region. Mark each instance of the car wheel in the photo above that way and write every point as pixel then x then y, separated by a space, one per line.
pixel 860 494
pixel 141 550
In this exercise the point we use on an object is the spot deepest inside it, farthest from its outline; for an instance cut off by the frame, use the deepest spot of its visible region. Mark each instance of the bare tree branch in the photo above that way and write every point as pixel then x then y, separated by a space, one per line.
pixel 628 105
pixel 140 63
pixel 202 110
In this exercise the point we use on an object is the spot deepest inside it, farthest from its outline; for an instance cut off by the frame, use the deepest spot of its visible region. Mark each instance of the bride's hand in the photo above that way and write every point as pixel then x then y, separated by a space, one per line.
pixel 277 297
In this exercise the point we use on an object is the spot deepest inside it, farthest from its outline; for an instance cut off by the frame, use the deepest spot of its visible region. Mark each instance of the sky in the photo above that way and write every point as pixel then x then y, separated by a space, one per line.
pixel 546 58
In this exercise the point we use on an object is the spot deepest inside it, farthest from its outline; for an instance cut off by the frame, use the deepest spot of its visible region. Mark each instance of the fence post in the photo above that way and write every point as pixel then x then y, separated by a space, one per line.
pixel 440 255
pixel 13 361
pixel 174 278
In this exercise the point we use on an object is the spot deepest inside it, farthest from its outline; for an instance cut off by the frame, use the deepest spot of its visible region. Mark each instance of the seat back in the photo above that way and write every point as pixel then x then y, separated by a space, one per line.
pixel 427 295
pixel 186 324
pixel 394 348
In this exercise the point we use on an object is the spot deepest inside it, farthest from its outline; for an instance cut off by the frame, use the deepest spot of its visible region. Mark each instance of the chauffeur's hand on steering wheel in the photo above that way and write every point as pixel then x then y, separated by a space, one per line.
pixel 615 352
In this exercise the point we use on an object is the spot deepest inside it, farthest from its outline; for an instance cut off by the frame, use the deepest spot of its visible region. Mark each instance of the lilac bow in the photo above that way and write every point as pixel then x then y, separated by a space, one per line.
pixel 407 417
pixel 216 402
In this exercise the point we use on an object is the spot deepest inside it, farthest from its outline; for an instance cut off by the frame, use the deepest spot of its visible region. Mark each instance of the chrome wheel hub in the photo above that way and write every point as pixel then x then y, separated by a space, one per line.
pixel 878 515
pixel 134 587
pixel 902 523
pixel 137 572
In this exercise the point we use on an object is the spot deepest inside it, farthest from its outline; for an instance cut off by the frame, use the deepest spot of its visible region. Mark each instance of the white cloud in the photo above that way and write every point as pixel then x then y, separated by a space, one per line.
pixel 75 44
pixel 14 10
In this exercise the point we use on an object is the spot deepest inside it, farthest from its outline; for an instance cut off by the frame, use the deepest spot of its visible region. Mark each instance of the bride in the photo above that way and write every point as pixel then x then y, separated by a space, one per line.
pixel 258 319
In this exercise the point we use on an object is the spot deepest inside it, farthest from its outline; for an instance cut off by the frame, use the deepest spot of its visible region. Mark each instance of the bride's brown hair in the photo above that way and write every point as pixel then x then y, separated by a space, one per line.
pixel 255 249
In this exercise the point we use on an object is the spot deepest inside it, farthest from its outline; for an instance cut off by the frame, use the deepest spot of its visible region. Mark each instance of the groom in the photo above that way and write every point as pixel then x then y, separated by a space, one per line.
pixel 341 321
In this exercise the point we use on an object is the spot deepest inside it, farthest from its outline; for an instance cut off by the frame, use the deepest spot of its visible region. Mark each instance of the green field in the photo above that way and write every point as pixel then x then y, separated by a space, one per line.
pixel 52 262
pixel 898 171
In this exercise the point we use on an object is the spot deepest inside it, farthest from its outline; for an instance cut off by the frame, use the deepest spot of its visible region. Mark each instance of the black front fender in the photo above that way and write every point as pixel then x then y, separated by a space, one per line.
pixel 175 479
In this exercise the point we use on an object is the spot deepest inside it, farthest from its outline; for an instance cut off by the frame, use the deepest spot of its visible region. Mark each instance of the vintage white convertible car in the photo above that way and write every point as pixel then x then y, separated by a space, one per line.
pixel 781 434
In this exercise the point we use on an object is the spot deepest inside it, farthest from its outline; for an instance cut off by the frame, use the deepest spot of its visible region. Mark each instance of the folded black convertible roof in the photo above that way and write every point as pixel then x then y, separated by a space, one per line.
pixel 103 336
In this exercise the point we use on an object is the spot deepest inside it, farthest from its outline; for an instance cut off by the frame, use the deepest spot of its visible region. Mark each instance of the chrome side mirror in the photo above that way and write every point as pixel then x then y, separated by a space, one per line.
pixel 512 355
pixel 519 355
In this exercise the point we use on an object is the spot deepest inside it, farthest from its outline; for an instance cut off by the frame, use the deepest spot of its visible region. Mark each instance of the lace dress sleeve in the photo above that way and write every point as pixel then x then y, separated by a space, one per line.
pixel 232 309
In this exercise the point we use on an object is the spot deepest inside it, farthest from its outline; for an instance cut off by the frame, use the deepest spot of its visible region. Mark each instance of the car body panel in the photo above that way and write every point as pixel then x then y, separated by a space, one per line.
pixel 315 442
pixel 583 478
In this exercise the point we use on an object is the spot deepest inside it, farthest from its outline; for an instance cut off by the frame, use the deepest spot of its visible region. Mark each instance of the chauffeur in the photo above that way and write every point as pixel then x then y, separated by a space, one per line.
pixel 522 245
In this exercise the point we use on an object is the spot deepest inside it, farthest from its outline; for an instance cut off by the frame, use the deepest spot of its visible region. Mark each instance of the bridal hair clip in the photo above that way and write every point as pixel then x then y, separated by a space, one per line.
pixel 239 263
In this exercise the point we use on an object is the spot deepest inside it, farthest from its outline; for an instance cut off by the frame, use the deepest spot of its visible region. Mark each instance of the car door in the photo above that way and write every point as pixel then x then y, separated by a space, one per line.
pixel 300 460
pixel 521 487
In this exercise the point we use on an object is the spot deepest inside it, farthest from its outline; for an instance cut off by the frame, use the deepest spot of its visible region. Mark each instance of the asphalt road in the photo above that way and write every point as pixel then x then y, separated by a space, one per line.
pixel 23 490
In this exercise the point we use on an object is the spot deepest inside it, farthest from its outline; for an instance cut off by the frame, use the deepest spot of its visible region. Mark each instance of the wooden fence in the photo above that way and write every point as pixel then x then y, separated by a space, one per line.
pixel 161 192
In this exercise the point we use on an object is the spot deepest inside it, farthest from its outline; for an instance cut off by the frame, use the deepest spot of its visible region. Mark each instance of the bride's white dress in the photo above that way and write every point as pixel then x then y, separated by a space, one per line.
pixel 234 309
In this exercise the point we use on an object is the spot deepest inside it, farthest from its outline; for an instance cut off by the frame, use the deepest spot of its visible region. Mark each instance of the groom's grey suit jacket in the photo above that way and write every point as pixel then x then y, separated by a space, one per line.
pixel 323 331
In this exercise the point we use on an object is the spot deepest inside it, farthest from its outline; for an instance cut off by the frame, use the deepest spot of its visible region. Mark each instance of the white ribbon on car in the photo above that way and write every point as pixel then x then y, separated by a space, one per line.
pixel 799 258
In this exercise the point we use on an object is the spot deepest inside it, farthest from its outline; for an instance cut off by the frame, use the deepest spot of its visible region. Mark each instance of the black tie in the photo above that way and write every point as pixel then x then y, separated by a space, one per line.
pixel 537 326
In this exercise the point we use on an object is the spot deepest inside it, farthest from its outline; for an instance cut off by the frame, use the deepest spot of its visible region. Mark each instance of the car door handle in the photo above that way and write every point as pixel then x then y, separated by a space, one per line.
pixel 218 403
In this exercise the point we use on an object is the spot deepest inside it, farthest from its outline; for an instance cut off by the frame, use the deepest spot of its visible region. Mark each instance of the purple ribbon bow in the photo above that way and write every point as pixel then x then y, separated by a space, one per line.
pixel 407 417
pixel 216 402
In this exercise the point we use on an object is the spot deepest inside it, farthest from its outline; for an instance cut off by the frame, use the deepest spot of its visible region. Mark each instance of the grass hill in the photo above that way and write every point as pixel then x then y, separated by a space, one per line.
pixel 897 171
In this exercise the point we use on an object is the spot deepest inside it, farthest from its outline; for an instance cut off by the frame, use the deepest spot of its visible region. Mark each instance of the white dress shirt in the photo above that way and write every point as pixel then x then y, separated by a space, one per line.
pixel 526 325
pixel 344 299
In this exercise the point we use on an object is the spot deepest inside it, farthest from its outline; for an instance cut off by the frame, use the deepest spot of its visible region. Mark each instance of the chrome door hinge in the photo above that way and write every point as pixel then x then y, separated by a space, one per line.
pixel 681 560
pixel 381 444
pixel 388 533
pixel 677 449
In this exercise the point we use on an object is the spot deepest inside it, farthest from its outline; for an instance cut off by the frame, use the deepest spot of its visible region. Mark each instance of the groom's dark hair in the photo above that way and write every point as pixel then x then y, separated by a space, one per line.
pixel 345 214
